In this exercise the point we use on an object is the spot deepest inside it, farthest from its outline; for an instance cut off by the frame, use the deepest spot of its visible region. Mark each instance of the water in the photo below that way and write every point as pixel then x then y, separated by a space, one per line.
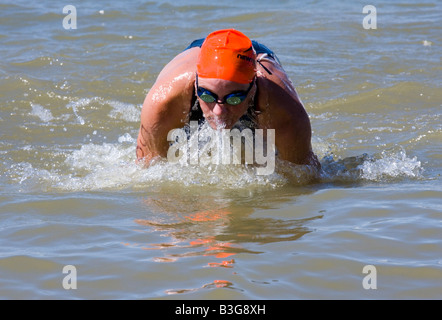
pixel 71 193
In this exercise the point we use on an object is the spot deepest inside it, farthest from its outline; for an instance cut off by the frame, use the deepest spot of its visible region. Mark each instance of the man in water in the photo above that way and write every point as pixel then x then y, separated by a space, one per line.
pixel 223 79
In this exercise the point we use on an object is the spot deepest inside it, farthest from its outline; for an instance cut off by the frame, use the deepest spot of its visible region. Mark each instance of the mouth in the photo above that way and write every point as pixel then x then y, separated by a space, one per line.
pixel 218 123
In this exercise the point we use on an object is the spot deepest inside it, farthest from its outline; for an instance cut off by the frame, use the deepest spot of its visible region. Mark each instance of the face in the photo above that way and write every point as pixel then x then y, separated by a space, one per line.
pixel 220 114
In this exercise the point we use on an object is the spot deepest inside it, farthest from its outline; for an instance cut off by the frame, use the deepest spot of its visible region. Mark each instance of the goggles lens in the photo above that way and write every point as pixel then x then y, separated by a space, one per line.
pixel 232 99
pixel 235 99
pixel 206 96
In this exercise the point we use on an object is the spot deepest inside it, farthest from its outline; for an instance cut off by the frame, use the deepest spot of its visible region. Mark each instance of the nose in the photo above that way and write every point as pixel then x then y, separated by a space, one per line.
pixel 219 109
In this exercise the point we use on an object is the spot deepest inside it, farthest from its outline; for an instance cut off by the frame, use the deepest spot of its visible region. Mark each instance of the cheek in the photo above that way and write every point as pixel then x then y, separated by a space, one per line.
pixel 240 110
pixel 205 108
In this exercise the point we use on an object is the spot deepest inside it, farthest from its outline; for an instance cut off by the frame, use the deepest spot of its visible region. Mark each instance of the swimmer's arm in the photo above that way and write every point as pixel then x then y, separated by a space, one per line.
pixel 293 140
pixel 283 111
pixel 292 130
pixel 286 114
pixel 159 115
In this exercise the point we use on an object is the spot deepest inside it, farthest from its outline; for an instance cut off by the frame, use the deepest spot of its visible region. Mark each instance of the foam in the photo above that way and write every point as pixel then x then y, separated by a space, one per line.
pixel 74 105
pixel 45 115
pixel 119 110
pixel 124 111
pixel 388 165
pixel 112 166
pixel 391 164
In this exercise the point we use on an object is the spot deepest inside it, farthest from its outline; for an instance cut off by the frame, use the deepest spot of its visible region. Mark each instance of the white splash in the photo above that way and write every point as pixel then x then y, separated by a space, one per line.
pixel 75 105
pixel 124 111
pixel 45 115
pixel 391 165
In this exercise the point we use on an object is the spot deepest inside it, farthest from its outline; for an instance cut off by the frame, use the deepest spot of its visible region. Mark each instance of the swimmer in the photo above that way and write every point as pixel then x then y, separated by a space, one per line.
pixel 225 79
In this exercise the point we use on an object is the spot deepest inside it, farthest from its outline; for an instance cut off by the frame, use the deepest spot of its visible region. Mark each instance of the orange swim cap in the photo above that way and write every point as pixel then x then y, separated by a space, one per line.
pixel 227 54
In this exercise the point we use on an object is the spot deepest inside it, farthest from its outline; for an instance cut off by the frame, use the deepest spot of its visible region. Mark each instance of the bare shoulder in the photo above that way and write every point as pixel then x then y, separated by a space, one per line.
pixel 280 108
pixel 166 105
pixel 183 63
pixel 278 101
pixel 173 89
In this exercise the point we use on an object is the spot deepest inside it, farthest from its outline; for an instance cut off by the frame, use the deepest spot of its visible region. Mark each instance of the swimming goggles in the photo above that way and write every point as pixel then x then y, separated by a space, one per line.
pixel 233 98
